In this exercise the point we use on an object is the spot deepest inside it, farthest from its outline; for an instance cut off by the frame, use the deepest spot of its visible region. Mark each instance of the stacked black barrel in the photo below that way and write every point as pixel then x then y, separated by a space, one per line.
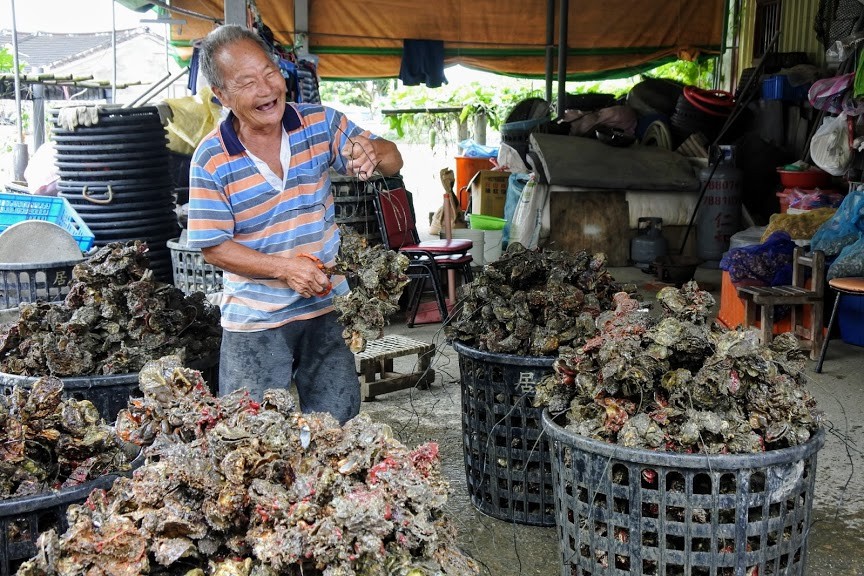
pixel 116 174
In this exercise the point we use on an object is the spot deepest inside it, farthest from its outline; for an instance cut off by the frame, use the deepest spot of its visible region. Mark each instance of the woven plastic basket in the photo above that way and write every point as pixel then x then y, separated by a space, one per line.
pixel 48 282
pixel 191 272
pixel 507 459
pixel 628 511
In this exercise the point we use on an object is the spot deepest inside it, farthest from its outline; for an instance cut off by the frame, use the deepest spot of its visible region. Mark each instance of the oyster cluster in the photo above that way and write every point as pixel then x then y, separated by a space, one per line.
pixel 532 302
pixel 378 278
pixel 115 318
pixel 678 382
pixel 236 487
pixel 51 443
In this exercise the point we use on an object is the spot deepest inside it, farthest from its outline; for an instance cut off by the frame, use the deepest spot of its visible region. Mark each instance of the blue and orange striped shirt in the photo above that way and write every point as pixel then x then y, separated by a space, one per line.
pixel 230 199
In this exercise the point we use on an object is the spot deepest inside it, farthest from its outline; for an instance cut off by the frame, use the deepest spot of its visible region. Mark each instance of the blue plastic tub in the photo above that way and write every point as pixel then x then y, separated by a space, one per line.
pixel 16 208
pixel 850 315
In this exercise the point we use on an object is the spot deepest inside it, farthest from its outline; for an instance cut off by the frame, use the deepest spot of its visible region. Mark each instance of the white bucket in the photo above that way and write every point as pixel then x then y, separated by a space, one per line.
pixel 492 245
pixel 477 238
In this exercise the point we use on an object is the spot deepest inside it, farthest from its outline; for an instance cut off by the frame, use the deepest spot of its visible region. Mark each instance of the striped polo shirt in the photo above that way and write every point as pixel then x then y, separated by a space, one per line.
pixel 230 199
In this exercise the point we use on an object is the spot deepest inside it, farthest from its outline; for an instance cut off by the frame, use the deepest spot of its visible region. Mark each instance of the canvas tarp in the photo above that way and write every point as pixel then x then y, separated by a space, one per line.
pixel 606 37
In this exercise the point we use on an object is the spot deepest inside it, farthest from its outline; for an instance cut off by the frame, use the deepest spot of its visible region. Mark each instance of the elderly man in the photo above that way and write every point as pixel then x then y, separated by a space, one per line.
pixel 261 210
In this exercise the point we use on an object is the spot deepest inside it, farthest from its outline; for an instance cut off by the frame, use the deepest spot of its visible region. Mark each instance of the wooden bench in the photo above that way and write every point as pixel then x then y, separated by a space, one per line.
pixel 797 295
pixel 376 366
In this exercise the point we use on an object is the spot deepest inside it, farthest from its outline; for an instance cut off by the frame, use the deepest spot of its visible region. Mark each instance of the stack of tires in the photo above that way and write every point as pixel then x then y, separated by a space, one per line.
pixel 116 174
pixel 701 111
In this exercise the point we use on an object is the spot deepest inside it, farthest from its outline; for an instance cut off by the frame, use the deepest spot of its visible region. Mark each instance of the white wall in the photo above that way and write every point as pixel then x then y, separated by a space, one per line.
pixel 141 58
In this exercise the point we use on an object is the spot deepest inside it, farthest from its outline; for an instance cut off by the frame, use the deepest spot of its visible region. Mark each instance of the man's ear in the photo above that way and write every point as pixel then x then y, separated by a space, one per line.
pixel 218 93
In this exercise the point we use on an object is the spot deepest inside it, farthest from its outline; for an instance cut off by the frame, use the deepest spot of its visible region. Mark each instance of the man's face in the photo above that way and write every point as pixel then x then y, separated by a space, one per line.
pixel 254 88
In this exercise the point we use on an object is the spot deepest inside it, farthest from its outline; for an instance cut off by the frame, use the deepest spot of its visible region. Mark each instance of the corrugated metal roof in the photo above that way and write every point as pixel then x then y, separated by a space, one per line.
pixel 47 50
pixel 798 34
pixel 796 31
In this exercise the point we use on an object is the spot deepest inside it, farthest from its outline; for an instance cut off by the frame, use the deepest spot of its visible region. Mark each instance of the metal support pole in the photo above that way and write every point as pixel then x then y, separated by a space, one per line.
pixel 235 12
pixel 38 113
pixel 160 85
pixel 550 46
pixel 562 55
pixel 167 58
pixel 301 26
pixel 17 71
pixel 20 157
pixel 113 55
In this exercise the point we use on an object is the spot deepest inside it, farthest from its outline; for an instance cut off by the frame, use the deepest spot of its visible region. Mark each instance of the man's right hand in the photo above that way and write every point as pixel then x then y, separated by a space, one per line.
pixel 303 275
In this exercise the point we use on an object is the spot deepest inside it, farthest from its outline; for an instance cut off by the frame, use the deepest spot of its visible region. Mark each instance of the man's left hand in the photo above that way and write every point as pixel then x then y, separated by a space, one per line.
pixel 360 157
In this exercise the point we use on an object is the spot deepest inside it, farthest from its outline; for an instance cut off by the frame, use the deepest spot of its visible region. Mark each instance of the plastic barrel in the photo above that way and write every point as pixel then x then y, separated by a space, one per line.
pixel 477 239
pixel 492 246
pixel 647 512
pixel 507 459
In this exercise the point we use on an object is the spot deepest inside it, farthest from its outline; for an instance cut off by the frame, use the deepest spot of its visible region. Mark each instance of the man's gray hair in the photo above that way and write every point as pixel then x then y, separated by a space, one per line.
pixel 218 39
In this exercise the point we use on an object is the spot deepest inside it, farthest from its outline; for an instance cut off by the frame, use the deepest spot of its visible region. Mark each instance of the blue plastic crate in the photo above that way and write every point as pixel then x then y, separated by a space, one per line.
pixel 777 87
pixel 16 208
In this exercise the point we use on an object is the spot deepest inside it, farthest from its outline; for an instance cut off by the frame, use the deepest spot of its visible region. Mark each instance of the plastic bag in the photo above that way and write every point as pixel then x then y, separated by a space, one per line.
pixel 766 264
pixel 799 226
pixel 829 146
pixel 844 228
pixel 193 117
pixel 528 216
pixel 515 185
pixel 811 200
pixel 475 150
pixel 41 173
pixel 850 262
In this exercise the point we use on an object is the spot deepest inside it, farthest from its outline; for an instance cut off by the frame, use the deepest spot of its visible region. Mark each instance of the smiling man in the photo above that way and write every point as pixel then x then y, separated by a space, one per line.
pixel 260 209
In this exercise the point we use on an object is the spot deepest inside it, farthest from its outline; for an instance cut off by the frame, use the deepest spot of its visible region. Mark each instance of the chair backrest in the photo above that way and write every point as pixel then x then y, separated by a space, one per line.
pixel 815 262
pixel 395 218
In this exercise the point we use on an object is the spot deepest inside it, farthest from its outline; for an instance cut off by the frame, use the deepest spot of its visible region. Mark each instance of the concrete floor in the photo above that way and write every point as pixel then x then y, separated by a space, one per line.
pixel 836 541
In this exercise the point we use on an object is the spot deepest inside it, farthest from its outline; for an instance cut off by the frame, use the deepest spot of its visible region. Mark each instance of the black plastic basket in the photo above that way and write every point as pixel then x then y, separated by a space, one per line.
pixel 639 512
pixel 31 282
pixel 24 519
pixel 111 393
pixel 507 459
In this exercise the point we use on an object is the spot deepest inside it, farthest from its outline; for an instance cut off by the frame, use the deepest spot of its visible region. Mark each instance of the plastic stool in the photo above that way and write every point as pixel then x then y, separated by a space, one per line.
pixel 852 286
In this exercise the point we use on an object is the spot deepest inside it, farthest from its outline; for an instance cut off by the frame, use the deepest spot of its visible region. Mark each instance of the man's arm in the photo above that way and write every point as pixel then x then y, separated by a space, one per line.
pixel 300 274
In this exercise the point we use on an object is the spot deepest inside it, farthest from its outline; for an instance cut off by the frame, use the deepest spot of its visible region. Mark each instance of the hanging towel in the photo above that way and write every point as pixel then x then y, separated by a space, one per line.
pixel 422 63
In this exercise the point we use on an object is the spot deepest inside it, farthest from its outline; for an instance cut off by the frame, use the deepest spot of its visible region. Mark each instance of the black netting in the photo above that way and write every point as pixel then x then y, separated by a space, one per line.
pixel 837 19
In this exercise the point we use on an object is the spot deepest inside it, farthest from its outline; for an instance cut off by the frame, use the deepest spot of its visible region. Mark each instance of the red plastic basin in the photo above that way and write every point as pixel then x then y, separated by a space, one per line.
pixel 808 179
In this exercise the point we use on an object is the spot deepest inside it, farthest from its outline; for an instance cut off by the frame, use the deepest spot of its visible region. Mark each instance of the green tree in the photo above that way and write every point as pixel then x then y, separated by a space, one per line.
pixel 7 61
pixel 365 93
pixel 699 73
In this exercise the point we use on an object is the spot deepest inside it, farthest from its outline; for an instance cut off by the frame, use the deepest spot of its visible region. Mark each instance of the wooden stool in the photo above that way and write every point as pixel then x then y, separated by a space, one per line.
pixel 852 286
pixel 797 296
pixel 378 357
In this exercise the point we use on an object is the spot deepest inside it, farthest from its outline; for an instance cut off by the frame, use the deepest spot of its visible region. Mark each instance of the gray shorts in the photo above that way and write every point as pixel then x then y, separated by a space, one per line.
pixel 309 352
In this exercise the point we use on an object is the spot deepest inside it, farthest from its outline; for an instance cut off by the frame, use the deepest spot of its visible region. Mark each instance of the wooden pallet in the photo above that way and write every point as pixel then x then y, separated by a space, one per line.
pixel 376 366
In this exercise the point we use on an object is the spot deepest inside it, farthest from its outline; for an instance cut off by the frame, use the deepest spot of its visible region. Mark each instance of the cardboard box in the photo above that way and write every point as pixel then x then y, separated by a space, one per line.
pixel 489 192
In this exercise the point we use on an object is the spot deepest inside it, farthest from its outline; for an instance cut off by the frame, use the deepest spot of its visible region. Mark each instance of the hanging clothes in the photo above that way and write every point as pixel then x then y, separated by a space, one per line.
pixel 422 63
